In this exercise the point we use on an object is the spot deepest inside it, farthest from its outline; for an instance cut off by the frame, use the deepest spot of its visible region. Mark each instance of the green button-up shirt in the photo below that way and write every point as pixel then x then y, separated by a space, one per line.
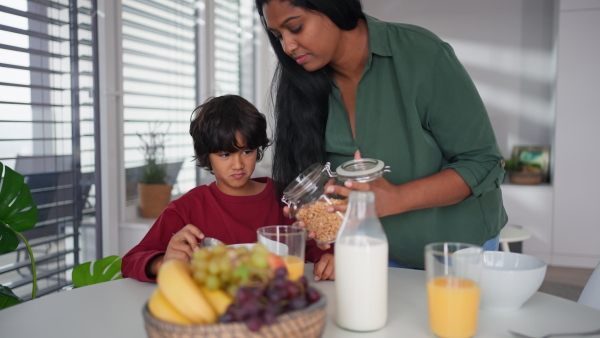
pixel 419 112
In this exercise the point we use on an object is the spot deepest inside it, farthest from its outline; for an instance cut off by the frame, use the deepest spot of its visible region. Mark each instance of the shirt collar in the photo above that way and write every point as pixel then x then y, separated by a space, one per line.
pixel 378 36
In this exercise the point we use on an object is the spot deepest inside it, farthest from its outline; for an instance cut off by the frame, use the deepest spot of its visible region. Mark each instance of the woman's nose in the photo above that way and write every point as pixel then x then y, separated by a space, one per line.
pixel 289 46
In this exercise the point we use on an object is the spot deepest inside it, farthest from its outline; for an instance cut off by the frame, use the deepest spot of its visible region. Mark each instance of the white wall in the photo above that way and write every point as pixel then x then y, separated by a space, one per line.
pixel 508 49
pixel 576 185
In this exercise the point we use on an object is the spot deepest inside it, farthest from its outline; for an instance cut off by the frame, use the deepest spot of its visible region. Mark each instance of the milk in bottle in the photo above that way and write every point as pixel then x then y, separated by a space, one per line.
pixel 361 266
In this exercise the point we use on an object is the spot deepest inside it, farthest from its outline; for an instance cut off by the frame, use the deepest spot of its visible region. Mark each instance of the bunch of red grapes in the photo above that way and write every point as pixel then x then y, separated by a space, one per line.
pixel 258 305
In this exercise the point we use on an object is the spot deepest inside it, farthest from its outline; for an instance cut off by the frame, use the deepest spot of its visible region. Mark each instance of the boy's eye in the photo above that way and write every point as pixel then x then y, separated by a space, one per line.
pixel 224 155
pixel 248 152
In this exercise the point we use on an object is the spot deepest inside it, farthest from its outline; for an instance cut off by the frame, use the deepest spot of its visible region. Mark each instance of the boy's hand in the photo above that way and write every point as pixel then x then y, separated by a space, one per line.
pixel 183 243
pixel 324 268
pixel 181 246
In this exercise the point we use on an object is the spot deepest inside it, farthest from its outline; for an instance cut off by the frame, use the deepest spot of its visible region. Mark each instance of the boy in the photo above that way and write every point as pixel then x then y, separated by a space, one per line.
pixel 229 137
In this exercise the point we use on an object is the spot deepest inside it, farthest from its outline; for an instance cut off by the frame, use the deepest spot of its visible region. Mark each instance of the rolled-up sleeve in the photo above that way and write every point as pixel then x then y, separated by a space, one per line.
pixel 458 121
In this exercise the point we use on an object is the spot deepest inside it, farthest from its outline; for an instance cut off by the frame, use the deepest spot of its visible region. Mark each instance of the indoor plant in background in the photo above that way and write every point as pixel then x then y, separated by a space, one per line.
pixel 18 213
pixel 153 191
pixel 521 173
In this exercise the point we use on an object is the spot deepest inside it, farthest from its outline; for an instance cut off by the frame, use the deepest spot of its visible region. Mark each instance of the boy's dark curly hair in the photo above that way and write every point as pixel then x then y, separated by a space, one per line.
pixel 215 124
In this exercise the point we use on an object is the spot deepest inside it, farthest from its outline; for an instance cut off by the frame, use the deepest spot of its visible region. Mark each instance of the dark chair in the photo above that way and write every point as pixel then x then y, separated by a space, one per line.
pixel 50 180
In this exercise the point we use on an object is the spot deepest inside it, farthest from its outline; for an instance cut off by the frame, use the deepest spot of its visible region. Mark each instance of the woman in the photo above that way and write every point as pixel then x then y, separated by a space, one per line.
pixel 347 82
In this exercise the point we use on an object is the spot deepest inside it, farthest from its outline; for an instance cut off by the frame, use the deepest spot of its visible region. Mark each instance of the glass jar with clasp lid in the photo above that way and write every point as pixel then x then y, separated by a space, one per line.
pixel 308 202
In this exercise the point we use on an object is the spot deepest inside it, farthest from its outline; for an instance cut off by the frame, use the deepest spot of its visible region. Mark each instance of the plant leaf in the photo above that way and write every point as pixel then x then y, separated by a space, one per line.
pixel 18 213
pixel 8 240
pixel 7 297
pixel 17 208
pixel 103 270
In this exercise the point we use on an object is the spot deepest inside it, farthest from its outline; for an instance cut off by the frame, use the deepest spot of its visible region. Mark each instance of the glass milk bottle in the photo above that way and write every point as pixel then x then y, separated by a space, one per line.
pixel 361 267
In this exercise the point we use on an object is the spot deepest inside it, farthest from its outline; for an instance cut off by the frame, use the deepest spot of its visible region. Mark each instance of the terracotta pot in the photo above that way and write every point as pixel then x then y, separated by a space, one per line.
pixel 525 178
pixel 154 198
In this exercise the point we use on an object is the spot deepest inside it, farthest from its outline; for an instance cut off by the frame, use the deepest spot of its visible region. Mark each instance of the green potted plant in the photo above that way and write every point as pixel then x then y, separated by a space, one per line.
pixel 521 173
pixel 153 189
pixel 18 213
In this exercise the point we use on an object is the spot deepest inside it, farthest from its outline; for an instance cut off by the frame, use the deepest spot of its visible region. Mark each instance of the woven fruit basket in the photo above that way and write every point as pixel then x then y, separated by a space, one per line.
pixel 307 323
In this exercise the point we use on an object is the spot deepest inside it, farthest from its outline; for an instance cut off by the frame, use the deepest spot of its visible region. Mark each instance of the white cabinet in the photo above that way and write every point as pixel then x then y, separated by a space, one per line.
pixel 576 233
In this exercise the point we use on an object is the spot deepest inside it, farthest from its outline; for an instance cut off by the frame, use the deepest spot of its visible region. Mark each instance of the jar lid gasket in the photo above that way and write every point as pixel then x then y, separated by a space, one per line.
pixel 360 167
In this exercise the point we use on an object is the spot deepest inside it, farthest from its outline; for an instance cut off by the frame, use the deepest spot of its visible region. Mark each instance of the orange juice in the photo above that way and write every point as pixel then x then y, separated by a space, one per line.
pixel 453 307
pixel 295 267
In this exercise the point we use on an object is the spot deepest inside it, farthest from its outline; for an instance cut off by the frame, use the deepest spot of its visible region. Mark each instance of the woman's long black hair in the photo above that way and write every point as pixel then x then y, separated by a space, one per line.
pixel 301 98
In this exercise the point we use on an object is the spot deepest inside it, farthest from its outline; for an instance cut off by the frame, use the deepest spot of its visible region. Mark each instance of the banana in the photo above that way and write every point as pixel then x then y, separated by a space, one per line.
pixel 160 308
pixel 176 284
pixel 219 300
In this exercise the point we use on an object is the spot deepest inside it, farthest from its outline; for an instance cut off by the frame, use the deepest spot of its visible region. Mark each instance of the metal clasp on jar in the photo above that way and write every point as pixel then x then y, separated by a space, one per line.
pixel 327 168
pixel 293 206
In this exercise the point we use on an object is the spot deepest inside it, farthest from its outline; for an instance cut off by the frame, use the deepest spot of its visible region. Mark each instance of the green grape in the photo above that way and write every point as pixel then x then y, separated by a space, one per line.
pixel 202 254
pixel 199 265
pixel 224 264
pixel 200 276
pixel 244 259
pixel 242 250
pixel 240 274
pixel 229 269
pixel 226 277
pixel 259 248
pixel 213 266
pixel 219 249
pixel 259 259
pixel 212 282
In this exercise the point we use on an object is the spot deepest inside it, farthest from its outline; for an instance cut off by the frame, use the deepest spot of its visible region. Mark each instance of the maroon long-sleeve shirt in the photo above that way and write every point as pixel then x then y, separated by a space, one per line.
pixel 231 219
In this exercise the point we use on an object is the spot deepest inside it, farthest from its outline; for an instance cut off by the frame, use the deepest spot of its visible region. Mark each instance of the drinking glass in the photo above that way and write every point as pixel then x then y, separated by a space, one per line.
pixel 453 273
pixel 287 241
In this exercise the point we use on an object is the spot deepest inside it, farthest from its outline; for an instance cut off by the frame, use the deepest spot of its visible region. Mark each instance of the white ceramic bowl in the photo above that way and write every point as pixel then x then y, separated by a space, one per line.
pixel 250 246
pixel 509 279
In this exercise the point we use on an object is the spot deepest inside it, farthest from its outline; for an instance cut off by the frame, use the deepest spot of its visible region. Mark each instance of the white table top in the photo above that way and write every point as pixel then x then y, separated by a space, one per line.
pixel 114 309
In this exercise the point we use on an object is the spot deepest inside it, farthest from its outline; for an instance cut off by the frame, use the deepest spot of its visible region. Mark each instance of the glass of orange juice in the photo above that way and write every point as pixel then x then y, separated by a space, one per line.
pixel 453 272
pixel 287 241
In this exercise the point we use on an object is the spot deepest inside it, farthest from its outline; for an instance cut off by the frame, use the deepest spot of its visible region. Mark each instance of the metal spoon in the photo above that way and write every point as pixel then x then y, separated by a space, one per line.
pixel 207 242
pixel 579 334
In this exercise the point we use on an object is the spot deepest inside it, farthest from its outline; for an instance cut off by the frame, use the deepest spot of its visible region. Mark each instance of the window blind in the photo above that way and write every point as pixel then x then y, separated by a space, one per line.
pixel 233 54
pixel 159 83
pixel 227 46
pixel 234 47
pixel 47 122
